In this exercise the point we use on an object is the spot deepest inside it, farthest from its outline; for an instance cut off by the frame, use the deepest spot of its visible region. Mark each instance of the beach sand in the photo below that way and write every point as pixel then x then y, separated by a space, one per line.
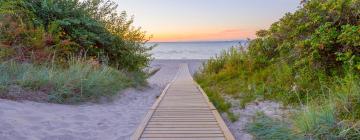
pixel 116 120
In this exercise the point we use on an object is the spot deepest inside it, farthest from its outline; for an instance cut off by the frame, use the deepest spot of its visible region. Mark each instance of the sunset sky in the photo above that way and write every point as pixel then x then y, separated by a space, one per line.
pixel 205 20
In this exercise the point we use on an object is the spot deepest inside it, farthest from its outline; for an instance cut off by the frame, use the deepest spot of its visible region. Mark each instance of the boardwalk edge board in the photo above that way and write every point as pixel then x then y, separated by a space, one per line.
pixel 139 131
pixel 224 128
pixel 187 114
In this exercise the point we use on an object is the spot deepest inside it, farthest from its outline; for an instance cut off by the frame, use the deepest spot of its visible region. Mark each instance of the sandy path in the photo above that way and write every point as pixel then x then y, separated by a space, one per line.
pixel 108 121
pixel 269 108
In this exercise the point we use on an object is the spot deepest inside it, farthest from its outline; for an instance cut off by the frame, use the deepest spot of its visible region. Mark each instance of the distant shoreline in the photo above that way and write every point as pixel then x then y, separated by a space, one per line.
pixel 190 50
pixel 244 40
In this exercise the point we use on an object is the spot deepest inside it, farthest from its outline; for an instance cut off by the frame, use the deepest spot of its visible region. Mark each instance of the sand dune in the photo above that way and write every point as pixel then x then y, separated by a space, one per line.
pixel 116 120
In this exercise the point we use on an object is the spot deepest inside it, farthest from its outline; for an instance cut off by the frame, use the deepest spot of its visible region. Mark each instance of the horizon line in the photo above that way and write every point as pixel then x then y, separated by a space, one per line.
pixel 181 41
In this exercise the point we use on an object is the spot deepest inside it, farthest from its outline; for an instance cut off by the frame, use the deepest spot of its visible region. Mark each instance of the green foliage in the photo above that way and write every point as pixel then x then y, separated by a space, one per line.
pixel 220 103
pixel 5 52
pixel 311 55
pixel 291 60
pixel 266 128
pixel 38 28
pixel 80 81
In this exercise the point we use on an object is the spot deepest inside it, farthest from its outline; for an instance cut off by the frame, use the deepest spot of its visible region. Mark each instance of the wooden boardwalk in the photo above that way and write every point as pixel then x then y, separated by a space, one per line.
pixel 182 112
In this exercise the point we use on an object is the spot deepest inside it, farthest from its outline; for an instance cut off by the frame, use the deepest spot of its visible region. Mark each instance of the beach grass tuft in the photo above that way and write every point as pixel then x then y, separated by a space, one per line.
pixel 266 128
pixel 79 81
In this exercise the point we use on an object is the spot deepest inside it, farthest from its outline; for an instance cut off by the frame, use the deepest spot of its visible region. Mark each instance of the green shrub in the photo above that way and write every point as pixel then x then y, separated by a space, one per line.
pixel 295 60
pixel 309 56
pixel 38 28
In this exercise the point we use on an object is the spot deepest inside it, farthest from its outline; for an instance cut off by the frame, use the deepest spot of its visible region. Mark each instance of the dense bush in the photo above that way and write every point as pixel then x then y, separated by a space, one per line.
pixel 311 56
pixel 40 38
pixel 36 30
pixel 297 49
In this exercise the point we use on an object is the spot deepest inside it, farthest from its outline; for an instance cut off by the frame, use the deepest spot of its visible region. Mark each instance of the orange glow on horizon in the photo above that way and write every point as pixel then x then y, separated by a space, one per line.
pixel 222 35
pixel 205 20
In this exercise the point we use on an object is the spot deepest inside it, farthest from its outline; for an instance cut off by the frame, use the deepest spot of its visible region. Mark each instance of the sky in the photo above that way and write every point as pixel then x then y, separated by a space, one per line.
pixel 205 20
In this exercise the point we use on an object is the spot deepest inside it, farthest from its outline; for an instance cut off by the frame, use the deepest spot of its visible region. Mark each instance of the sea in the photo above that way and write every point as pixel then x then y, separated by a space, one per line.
pixel 191 50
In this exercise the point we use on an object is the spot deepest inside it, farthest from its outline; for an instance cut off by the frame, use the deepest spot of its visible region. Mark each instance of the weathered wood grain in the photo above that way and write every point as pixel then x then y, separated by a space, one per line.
pixel 183 112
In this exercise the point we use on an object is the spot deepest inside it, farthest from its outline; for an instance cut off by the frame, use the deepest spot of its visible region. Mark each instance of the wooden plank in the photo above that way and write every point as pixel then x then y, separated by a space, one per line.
pixel 224 128
pixel 182 123
pixel 170 101
pixel 184 89
pixel 184 98
pixel 173 96
pixel 192 109
pixel 181 120
pixel 185 114
pixel 183 111
pixel 185 105
pixel 213 138
pixel 182 126
pixel 157 102
pixel 182 132
pixel 196 96
pixel 212 107
pixel 138 132
pixel 140 129
pixel 188 129
pixel 164 108
pixel 179 106
pixel 179 99
pixel 182 116
pixel 205 116
pixel 181 135
pixel 183 95
pixel 175 102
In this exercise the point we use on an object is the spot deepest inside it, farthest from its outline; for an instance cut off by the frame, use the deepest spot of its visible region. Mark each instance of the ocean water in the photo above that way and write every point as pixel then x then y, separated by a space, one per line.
pixel 190 50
